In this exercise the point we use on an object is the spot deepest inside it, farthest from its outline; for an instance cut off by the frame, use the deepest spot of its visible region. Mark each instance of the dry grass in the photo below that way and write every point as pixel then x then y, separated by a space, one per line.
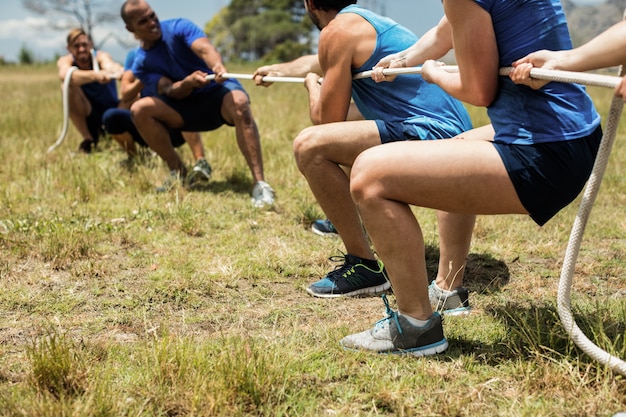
pixel 118 301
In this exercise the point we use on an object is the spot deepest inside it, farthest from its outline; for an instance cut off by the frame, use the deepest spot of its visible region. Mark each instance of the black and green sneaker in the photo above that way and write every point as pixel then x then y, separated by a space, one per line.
pixel 350 279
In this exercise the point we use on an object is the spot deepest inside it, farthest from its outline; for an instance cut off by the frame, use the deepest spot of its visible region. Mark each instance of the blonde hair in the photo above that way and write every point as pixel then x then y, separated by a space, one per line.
pixel 74 34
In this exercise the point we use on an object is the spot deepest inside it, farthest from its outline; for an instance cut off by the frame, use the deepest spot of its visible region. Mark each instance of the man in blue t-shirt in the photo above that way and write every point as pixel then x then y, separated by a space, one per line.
pixel 119 124
pixel 173 64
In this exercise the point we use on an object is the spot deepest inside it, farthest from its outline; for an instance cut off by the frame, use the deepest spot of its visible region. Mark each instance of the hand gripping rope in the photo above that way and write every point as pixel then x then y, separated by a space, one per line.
pixel 588 199
pixel 66 103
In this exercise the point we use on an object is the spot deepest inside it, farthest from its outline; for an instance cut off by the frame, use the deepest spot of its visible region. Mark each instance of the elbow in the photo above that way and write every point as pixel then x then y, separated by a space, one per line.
pixel 482 98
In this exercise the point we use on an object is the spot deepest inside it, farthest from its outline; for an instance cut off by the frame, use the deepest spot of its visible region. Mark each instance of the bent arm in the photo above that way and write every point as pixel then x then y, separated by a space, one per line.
pixel 476 52
pixel 209 54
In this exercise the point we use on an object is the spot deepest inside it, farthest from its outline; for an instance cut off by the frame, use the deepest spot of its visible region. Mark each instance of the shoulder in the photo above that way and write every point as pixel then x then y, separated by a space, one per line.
pixel 65 60
pixel 344 30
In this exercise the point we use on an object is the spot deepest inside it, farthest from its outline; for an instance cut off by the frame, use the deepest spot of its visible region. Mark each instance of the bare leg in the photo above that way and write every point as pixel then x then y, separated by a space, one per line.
pixel 194 140
pixel 127 143
pixel 152 118
pixel 236 110
pixel 455 235
pixel 442 175
pixel 80 109
pixel 320 153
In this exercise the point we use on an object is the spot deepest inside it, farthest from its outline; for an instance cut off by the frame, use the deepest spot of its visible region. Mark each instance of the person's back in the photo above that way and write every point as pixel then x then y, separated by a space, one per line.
pixel 522 27
pixel 433 113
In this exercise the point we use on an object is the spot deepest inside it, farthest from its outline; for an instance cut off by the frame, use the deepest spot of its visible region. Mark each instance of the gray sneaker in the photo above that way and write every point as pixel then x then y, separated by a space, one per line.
pixel 201 172
pixel 173 179
pixel 449 303
pixel 394 334
pixel 262 195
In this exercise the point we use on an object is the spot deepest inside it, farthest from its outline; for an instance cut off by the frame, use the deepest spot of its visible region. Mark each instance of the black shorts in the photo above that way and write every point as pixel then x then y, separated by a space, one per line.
pixel 549 176
pixel 203 111
pixel 117 121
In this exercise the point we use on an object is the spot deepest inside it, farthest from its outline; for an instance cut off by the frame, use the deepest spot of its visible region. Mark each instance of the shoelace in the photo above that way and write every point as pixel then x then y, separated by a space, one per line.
pixel 390 315
pixel 340 270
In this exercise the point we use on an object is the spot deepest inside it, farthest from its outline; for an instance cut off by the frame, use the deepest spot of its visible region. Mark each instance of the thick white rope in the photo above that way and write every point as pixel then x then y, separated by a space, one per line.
pixel 66 108
pixel 586 78
pixel 573 245
pixel 588 199
pixel 66 101
pixel 267 78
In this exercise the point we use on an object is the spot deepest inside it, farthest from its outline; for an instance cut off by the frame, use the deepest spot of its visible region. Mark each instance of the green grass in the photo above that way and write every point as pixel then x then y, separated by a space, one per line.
pixel 118 301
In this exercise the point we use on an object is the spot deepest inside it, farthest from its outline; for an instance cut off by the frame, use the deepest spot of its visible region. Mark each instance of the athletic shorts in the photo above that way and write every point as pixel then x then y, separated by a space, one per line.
pixel 416 128
pixel 117 121
pixel 549 176
pixel 203 111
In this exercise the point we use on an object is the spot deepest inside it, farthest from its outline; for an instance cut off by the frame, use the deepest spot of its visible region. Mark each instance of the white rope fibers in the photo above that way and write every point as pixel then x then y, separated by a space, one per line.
pixel 66 100
pixel 573 245
pixel 267 78
pixel 586 78
pixel 66 108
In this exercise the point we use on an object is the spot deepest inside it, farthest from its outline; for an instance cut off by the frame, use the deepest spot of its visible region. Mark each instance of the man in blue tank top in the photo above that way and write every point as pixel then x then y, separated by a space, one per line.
pixel 353 40
pixel 173 63
pixel 91 90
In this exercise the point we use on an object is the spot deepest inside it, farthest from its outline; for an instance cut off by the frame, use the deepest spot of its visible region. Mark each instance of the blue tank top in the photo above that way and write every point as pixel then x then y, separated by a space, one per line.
pixel 435 114
pixel 519 114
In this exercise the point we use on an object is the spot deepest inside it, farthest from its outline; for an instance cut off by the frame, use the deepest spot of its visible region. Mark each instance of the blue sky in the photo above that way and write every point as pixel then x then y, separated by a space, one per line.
pixel 19 27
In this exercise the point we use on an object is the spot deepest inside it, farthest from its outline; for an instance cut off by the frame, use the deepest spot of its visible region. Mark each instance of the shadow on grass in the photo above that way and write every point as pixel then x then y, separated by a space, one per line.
pixel 237 182
pixel 483 273
pixel 533 331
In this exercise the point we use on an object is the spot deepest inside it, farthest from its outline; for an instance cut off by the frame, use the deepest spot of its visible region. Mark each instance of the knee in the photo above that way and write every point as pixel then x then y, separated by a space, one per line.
pixel 242 111
pixel 139 110
pixel 362 182
pixel 304 146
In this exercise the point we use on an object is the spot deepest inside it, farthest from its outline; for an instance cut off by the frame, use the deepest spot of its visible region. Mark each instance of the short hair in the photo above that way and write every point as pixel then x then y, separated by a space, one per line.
pixel 327 5
pixel 125 5
pixel 74 34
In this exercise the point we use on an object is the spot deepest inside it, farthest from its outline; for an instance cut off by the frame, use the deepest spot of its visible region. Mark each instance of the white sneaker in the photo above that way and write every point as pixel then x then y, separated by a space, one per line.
pixel 262 195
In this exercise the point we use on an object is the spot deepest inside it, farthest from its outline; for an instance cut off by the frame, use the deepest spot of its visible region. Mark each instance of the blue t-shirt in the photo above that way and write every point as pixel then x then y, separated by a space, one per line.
pixel 408 98
pixel 519 114
pixel 101 96
pixel 171 56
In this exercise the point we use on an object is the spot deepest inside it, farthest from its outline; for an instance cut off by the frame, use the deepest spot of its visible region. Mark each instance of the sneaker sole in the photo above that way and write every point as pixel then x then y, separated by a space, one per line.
pixel 320 233
pixel 461 311
pixel 363 291
pixel 198 176
pixel 427 350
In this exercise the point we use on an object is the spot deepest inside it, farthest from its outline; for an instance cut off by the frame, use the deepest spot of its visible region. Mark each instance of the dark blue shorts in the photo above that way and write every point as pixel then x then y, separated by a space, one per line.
pixel 416 128
pixel 117 121
pixel 549 176
pixel 203 111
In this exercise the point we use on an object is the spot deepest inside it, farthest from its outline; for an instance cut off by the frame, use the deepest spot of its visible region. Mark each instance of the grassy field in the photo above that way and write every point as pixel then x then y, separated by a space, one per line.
pixel 117 301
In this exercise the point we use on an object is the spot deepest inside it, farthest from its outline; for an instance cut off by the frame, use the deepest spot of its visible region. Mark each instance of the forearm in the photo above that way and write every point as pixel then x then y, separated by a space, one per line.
pixel 299 67
pixel 177 90
pixel 433 45
pixel 605 50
